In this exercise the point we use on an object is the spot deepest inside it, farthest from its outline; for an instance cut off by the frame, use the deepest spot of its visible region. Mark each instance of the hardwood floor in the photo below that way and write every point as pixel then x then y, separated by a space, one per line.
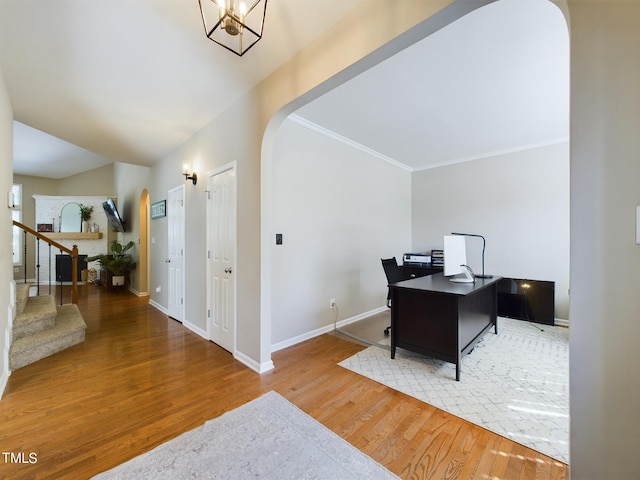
pixel 141 379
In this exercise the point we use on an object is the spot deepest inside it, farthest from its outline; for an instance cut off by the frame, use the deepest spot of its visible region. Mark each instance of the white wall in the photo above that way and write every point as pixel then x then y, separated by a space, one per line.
pixel 239 134
pixel 98 181
pixel 518 201
pixel 605 188
pixel 48 210
pixel 605 260
pixel 6 258
pixel 129 182
pixel 340 210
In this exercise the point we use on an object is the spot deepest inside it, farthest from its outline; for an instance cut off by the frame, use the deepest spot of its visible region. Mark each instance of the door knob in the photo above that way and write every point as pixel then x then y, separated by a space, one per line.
pixel 228 270
pixel 167 260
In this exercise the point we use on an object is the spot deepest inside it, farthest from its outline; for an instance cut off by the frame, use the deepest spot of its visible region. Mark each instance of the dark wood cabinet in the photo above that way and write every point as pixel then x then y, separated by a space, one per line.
pixel 106 280
pixel 64 266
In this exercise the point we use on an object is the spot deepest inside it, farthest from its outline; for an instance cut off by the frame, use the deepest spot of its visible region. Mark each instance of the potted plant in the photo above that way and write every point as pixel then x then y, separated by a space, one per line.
pixel 85 216
pixel 119 263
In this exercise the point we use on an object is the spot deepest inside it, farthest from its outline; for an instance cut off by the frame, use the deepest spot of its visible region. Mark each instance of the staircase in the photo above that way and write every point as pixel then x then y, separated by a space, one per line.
pixel 42 328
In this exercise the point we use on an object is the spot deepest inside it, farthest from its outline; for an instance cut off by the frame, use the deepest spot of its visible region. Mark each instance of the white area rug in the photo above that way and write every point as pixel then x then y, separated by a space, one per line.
pixel 515 383
pixel 268 438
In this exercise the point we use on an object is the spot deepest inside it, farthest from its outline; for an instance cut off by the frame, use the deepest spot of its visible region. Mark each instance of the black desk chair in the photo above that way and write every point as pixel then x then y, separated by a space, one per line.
pixel 394 275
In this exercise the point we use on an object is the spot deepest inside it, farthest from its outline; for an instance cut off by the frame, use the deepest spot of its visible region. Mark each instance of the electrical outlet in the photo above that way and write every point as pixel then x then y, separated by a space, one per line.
pixel 332 303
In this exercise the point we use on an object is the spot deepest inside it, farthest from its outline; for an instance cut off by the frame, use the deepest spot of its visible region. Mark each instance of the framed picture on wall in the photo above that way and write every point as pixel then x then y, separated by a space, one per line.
pixel 159 209
pixel 45 227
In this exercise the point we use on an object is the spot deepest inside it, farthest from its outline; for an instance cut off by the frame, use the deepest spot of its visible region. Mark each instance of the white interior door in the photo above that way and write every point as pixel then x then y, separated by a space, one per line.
pixel 175 256
pixel 221 256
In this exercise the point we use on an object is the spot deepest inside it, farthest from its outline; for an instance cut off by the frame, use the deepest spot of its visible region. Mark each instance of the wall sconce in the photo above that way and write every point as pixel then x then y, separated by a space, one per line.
pixel 193 177
pixel 189 176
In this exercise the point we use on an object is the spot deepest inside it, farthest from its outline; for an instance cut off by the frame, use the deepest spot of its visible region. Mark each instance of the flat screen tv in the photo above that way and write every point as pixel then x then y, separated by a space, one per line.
pixel 530 300
pixel 115 221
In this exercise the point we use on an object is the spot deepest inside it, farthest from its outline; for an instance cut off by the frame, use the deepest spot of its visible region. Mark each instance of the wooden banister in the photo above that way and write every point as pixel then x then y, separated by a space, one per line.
pixel 73 252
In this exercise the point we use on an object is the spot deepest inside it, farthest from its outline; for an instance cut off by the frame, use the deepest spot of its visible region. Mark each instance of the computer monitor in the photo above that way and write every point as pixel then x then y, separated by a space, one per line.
pixel 455 260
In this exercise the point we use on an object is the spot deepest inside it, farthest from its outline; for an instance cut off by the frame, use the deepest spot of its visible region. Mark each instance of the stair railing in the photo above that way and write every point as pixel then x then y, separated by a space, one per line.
pixel 74 260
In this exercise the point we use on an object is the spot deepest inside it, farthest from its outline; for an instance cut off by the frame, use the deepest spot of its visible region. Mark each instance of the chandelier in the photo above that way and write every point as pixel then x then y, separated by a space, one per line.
pixel 234 24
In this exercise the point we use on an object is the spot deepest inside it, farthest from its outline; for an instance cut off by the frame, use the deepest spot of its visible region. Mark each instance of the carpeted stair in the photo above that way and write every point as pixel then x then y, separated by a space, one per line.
pixel 42 328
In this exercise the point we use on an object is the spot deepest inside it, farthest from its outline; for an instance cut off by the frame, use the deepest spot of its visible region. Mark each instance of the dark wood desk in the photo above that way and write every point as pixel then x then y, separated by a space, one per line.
pixel 442 319
pixel 412 270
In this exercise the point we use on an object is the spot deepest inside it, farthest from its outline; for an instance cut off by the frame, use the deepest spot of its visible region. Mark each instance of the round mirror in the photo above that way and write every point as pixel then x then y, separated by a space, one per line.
pixel 70 218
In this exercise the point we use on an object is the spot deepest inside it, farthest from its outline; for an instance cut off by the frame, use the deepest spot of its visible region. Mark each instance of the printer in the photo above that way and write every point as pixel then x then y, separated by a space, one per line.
pixel 418 259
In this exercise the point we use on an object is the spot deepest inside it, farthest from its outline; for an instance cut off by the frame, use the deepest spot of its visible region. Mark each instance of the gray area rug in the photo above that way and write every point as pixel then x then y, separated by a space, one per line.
pixel 515 384
pixel 268 438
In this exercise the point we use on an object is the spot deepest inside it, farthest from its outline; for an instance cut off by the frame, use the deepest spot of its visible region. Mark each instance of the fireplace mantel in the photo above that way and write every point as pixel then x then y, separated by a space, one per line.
pixel 73 235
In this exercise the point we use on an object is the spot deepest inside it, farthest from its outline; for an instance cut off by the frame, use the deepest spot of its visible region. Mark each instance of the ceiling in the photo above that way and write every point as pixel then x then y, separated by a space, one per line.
pixel 493 82
pixel 131 81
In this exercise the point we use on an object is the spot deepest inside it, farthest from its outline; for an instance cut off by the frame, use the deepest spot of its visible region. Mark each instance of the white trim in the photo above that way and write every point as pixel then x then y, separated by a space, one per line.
pixel 336 136
pixel 8 336
pixel 326 329
pixel 561 322
pixel 252 364
pixel 157 306
pixel 301 338
pixel 4 379
pixel 73 198
pixel 347 141
pixel 494 153
pixel 227 166
pixel 186 324
pixel 195 329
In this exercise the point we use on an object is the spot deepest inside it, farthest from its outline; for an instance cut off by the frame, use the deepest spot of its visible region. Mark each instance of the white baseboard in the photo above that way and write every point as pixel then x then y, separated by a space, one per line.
pixel 326 329
pixel 361 316
pixel 195 329
pixel 252 364
pixel 4 379
pixel 157 306
pixel 8 336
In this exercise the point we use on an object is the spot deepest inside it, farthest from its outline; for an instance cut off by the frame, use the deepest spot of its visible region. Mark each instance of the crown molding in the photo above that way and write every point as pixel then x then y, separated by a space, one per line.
pixel 495 153
pixel 303 122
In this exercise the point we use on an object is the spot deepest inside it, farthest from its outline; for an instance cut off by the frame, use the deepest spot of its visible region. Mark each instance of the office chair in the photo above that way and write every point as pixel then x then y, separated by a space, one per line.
pixel 394 275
